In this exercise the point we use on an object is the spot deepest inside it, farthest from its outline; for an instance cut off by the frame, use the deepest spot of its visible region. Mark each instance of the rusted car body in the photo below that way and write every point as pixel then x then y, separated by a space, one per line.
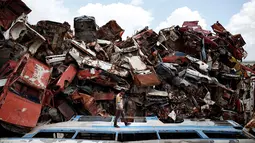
pixel 103 96
pixel 10 10
pixel 7 68
pixel 234 43
pixel 67 77
pixel 59 84
pixel 88 103
pixel 110 31
pixel 54 33
pixel 16 32
pixel 103 78
pixel 89 61
pixel 175 59
pixel 23 94
pixel 65 109
pixel 143 75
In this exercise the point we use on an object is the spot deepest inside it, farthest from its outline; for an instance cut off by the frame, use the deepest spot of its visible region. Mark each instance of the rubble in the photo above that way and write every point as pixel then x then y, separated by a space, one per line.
pixel 181 72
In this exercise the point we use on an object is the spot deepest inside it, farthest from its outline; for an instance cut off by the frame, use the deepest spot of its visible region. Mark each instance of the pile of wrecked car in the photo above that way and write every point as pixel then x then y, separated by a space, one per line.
pixel 49 75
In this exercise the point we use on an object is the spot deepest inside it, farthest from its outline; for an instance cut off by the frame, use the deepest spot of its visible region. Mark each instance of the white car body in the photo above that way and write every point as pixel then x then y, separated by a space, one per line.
pixel 201 65
pixel 194 74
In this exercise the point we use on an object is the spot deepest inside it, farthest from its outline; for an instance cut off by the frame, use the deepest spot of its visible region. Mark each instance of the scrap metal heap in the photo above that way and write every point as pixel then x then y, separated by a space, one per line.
pixel 182 72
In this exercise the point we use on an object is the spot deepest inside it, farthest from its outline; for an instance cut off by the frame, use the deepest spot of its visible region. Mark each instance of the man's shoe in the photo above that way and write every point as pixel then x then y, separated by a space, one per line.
pixel 127 124
pixel 116 126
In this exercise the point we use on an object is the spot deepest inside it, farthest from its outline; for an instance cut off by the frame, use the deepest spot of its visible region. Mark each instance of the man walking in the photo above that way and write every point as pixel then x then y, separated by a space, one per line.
pixel 119 109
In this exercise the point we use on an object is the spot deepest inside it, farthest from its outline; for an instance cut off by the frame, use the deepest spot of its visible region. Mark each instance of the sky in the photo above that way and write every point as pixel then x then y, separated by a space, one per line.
pixel 238 16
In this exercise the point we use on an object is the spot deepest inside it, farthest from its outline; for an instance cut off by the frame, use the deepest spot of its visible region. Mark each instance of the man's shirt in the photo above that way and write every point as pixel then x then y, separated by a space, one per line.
pixel 119 102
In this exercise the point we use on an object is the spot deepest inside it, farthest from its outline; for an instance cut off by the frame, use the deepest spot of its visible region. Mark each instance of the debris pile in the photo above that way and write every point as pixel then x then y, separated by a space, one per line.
pixel 48 74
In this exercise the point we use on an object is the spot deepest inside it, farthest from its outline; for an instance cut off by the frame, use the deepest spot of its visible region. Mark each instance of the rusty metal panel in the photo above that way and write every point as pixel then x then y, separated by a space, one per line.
pixel 88 102
pixel 7 68
pixel 17 30
pixel 5 54
pixel 110 31
pixel 146 79
pixel 190 23
pixel 53 32
pixel 48 99
pixel 175 59
pixel 232 115
pixel 111 68
pixel 10 10
pixel 103 78
pixel 37 40
pixel 67 77
pixel 218 28
pixel 88 74
pixel 143 75
pixel 103 96
pixel 81 46
pixel 36 74
pixel 194 26
pixel 19 111
pixel 146 38
pixel 238 40
pixel 66 110
pixel 233 43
